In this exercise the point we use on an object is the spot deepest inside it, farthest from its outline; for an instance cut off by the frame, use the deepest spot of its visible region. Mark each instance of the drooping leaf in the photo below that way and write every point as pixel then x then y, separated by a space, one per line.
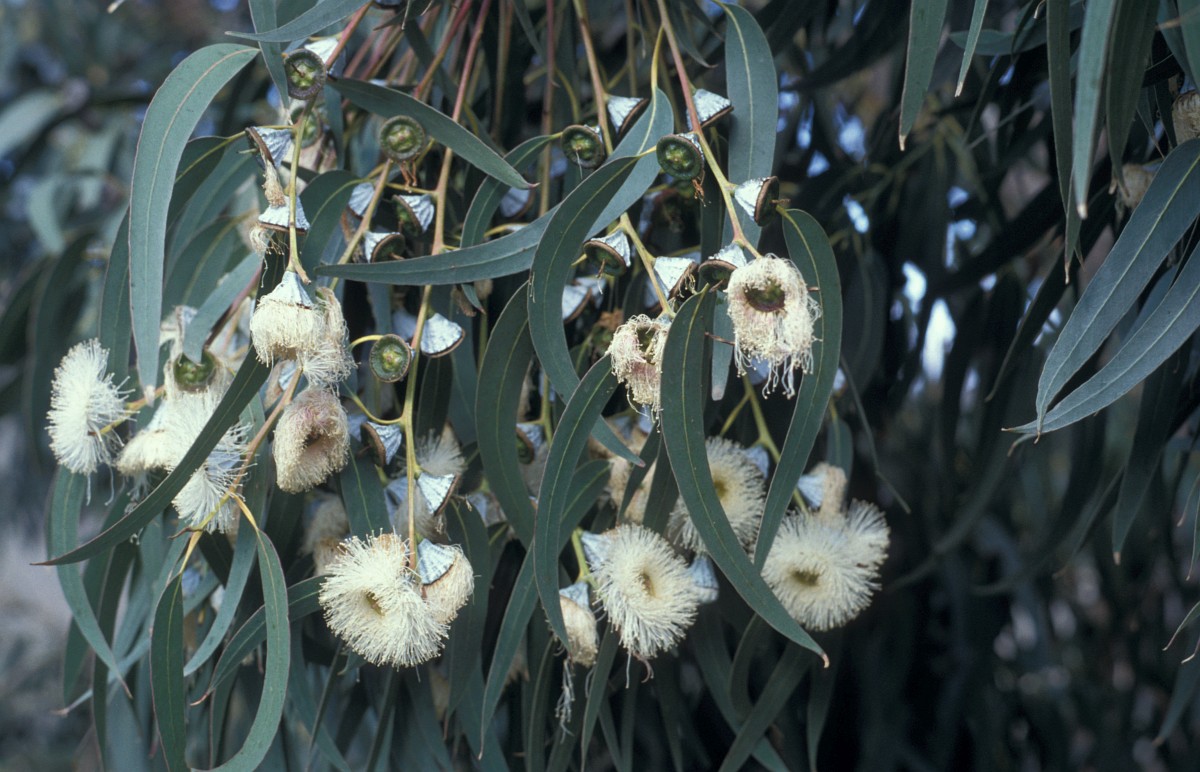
pixel 684 366
pixel 753 88
pixel 172 116
pixel 977 16
pixel 217 303
pixel 166 674
pixel 570 438
pixel 924 34
pixel 810 250
pixel 1093 56
pixel 1168 210
pixel 312 21
pixel 386 102
pixel 784 679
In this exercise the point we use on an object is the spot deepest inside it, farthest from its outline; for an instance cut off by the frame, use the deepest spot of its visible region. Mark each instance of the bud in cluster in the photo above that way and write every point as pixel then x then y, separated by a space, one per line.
pixel 681 156
pixel 312 440
pixel 447 578
pixel 1185 114
pixel 372 601
pixel 646 589
pixel 582 639
pixel 636 351
pixel 84 403
pixel 305 73
pixel 583 146
pixel 401 138
pixel 773 318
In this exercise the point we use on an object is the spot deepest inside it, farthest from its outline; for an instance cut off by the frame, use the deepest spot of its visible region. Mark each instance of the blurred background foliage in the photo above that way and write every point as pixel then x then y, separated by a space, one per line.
pixel 1006 634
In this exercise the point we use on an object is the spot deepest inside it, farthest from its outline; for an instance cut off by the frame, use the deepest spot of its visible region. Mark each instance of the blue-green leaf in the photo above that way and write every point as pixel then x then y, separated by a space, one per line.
pixel 386 102
pixel 977 16
pixel 924 33
pixel 166 674
pixel 810 250
pixel 270 705
pixel 1168 210
pixel 1093 53
pixel 683 396
pixel 788 673
pixel 570 438
pixel 308 23
pixel 219 300
pixel 170 120
pixel 753 88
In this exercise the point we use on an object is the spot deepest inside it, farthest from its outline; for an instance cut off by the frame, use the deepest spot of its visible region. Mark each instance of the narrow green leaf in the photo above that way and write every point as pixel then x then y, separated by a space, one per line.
pixel 166 674
pixel 201 157
pixel 820 697
pixel 263 16
pixel 1156 423
pixel 362 494
pixel 215 305
pixel 325 200
pixel 211 197
pixel 466 528
pixel 301 601
pixel 995 43
pixel 684 364
pixel 301 701
pixel 244 553
pixel 972 41
pixel 170 120
pixel 1093 54
pixel 386 102
pixel 506 360
pixel 1183 696
pixel 250 377
pixel 270 705
pixel 1189 30
pixel 553 263
pixel 115 327
pixel 810 250
pixel 201 263
pixel 783 681
pixel 1131 36
pixel 310 22
pixel 1163 332
pixel 27 115
pixel 512 628
pixel 570 438
pixel 65 503
pixel 924 34
pixel 597 686
pixel 1168 210
pixel 487 199
pixel 753 88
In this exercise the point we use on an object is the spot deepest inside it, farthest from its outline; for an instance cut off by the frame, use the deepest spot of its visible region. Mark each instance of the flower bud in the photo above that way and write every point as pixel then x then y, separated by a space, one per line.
pixel 390 357
pixel 446 577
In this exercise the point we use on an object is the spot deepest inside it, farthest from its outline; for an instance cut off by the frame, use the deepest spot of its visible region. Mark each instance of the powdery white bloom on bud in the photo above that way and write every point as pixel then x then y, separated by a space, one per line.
pixel 1136 183
pixel 817 570
pixel 372 601
pixel 312 440
pixel 596 548
pixel 278 217
pixel 326 529
pixel 286 323
pixel 1185 114
pixel 709 106
pixel 824 488
pixel 646 590
pixel 704 576
pixel 447 578
pixel 740 488
pixel 441 462
pixel 582 639
pixel 84 402
pixel 773 318
pixel 623 111
pixel 636 351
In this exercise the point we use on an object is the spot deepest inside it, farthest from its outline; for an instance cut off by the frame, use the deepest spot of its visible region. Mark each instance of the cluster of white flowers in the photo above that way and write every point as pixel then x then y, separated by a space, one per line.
pixel 385 611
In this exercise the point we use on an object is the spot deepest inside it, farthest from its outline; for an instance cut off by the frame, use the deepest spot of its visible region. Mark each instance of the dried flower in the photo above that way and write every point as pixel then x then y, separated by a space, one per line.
pixel 740 488
pixel 1185 114
pixel 372 602
pixel 84 403
pixel 636 352
pixel 646 589
pixel 773 318
pixel 1136 181
pixel 286 323
pixel 312 440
